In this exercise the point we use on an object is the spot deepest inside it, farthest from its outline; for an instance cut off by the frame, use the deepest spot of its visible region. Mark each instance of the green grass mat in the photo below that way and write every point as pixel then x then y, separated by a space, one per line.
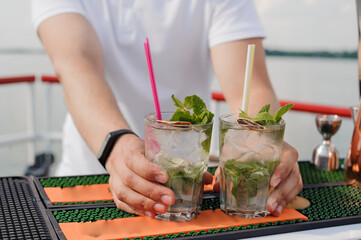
pixel 332 202
pixel 311 175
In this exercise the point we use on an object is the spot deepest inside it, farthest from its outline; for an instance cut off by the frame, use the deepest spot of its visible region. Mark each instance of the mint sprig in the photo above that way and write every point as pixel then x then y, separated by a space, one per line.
pixel 264 118
pixel 192 110
pixel 195 111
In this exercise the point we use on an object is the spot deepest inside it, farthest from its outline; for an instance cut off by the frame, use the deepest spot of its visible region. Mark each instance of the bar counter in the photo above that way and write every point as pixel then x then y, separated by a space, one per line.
pixel 81 207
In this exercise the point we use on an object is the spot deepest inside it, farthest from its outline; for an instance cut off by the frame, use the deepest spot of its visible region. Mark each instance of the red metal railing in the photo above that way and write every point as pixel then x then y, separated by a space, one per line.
pixel 19 79
pixel 299 106
pixel 49 79
pixel 32 134
pixel 303 107
pixel 216 96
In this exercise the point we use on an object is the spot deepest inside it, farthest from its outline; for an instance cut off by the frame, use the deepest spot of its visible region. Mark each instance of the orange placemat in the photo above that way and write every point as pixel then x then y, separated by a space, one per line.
pixel 96 192
pixel 142 226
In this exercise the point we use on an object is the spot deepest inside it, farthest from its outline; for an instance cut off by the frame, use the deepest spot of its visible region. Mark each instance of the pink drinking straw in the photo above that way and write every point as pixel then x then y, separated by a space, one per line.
pixel 152 79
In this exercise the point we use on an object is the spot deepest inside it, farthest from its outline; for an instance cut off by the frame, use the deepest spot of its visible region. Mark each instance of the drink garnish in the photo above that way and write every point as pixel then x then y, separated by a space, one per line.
pixel 264 117
pixel 250 124
pixel 199 114
pixel 175 122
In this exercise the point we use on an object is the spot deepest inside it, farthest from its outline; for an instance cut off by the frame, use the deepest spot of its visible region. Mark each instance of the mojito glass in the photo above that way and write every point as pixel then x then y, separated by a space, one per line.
pixel 248 157
pixel 182 151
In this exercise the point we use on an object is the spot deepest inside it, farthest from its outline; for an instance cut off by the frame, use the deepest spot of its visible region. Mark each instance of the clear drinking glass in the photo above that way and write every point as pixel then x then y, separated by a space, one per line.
pixel 182 151
pixel 248 157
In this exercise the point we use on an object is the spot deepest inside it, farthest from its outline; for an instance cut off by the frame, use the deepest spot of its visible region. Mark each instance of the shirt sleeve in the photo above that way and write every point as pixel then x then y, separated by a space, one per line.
pixel 233 20
pixel 44 9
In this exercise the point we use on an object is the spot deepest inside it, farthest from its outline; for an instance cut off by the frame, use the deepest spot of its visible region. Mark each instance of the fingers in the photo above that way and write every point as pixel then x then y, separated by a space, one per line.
pixel 216 173
pixel 140 176
pixel 128 199
pixel 140 165
pixel 289 159
pixel 216 186
pixel 285 192
pixel 146 188
pixel 131 209
pixel 133 180
pixel 208 178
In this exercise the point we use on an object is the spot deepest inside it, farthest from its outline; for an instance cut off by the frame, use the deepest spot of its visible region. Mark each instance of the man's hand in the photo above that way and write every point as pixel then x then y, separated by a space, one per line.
pixel 286 181
pixel 135 181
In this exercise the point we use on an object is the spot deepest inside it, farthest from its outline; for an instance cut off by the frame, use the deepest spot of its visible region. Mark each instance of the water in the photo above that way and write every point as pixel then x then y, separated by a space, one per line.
pixel 310 80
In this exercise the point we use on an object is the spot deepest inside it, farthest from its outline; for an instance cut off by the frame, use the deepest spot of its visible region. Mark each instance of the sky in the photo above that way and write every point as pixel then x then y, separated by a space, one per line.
pixel 289 24
pixel 309 24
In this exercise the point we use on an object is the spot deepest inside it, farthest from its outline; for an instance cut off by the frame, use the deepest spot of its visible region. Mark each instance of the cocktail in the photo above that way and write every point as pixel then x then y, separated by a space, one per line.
pixel 250 150
pixel 181 148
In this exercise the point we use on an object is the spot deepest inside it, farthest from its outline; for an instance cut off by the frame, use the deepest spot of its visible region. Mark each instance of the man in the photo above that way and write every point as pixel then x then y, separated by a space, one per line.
pixel 96 48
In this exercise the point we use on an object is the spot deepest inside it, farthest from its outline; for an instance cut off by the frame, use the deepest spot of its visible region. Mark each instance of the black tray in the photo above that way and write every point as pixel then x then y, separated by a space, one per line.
pixel 259 230
pixel 22 214
pixel 48 204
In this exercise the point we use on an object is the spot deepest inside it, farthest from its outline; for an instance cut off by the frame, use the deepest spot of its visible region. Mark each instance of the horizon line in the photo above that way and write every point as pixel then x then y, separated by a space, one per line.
pixel 269 52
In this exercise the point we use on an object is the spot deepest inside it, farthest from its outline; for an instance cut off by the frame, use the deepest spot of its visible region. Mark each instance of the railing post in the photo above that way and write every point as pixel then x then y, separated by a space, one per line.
pixel 47 118
pixel 31 123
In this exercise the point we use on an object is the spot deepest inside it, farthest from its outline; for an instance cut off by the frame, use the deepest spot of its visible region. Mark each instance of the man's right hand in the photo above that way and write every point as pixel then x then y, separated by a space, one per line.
pixel 135 181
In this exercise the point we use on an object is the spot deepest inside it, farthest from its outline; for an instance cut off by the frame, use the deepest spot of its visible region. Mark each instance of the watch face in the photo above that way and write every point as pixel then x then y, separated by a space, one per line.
pixel 103 146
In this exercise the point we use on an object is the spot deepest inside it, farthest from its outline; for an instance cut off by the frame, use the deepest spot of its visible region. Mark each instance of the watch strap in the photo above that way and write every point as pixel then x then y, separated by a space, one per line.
pixel 109 143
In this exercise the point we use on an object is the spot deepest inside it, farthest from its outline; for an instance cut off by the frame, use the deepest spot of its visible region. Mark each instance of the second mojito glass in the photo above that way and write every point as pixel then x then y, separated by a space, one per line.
pixel 182 151
pixel 248 156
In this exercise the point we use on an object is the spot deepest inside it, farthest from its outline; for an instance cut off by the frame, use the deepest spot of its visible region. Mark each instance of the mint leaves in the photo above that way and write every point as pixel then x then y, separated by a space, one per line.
pixel 199 114
pixel 183 179
pixel 249 177
pixel 264 118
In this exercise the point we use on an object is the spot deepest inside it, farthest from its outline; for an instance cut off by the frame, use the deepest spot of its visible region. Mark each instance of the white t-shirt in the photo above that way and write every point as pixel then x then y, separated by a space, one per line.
pixel 180 32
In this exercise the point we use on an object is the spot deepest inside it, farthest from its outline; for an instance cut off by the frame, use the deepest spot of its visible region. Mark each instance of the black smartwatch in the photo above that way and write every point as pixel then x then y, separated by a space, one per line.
pixel 108 144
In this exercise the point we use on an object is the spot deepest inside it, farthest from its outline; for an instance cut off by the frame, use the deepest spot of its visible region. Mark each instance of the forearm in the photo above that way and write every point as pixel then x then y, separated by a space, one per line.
pixel 229 61
pixel 259 96
pixel 76 54
pixel 90 101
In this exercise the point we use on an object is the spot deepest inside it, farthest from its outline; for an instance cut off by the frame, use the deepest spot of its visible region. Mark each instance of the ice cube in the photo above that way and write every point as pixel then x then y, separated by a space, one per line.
pixel 247 145
pixel 235 145
pixel 182 144
pixel 250 155
pixel 166 160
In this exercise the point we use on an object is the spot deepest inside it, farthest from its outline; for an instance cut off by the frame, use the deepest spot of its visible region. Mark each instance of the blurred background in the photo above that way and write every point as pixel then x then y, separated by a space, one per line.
pixel 311 57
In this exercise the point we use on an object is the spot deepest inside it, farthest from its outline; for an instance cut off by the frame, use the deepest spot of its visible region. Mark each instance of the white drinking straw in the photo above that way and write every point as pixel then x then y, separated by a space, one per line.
pixel 248 76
